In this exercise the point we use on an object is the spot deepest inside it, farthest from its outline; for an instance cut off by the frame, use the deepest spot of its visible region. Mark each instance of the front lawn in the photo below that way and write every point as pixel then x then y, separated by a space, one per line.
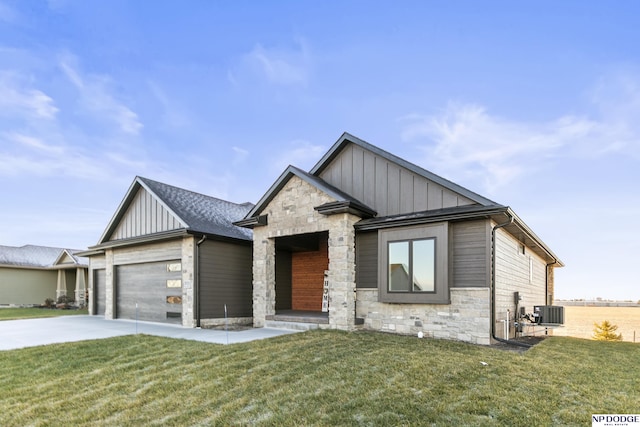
pixel 316 378
pixel 34 313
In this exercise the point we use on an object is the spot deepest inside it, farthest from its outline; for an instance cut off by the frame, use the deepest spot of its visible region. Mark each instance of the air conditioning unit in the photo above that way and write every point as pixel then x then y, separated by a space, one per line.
pixel 549 314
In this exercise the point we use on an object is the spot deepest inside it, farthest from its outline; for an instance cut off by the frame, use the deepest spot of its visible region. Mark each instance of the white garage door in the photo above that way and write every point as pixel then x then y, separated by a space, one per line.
pixel 156 289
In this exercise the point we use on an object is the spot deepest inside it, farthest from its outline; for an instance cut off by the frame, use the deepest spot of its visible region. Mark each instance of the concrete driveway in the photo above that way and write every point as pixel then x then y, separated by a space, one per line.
pixel 33 332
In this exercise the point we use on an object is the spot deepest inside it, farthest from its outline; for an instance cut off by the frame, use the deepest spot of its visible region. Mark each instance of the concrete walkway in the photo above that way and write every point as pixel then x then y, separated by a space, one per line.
pixel 33 332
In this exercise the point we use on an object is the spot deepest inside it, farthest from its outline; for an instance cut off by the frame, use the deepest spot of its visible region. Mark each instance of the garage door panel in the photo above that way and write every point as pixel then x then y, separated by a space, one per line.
pixel 149 285
pixel 99 291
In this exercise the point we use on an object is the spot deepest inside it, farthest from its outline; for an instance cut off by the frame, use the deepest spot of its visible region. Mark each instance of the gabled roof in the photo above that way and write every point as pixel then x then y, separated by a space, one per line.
pixel 196 212
pixel 347 138
pixel 343 200
pixel 32 256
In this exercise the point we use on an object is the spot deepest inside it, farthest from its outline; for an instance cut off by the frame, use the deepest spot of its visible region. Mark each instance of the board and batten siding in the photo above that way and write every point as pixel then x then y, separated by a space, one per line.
pixel 145 215
pixel 516 272
pixel 225 278
pixel 470 254
pixel 385 186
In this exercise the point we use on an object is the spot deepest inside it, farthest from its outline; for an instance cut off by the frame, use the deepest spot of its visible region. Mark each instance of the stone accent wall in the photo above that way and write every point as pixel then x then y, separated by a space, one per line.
pixel 109 274
pixel 291 212
pixel 188 265
pixel 466 319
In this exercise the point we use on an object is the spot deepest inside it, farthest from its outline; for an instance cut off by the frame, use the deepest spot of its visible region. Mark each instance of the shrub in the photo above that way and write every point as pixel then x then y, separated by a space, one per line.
pixel 49 302
pixel 606 331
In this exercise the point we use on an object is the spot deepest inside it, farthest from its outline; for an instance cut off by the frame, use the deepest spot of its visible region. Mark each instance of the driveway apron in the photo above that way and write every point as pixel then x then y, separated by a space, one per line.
pixel 16 334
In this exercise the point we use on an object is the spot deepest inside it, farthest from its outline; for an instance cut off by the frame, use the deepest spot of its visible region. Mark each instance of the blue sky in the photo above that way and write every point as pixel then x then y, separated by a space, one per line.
pixel 535 105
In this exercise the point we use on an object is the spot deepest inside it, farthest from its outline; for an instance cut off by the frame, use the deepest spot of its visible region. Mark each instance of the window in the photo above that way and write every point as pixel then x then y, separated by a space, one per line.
pixel 411 266
pixel 174 266
pixel 174 283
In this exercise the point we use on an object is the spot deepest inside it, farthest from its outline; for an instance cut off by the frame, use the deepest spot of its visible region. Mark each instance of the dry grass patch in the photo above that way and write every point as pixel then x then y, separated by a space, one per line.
pixel 316 378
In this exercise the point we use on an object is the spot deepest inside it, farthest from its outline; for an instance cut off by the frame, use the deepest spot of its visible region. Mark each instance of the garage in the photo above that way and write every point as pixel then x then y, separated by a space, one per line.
pixel 100 291
pixel 150 291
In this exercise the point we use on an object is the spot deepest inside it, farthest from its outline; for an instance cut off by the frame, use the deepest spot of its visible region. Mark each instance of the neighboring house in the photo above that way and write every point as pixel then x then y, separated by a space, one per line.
pixel 402 249
pixel 31 274
pixel 172 255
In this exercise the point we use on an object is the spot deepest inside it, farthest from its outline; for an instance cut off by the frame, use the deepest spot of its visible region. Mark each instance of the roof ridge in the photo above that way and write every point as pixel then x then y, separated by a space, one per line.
pixel 146 180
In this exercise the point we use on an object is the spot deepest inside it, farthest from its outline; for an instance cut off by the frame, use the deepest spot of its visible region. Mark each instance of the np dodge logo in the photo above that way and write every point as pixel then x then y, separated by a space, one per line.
pixel 615 420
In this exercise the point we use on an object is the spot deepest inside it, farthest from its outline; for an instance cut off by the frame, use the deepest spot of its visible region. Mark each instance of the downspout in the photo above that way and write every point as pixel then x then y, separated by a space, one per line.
pixel 196 280
pixel 493 285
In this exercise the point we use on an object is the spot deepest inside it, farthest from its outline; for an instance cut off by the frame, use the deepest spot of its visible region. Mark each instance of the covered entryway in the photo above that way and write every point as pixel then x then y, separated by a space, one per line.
pixel 150 291
pixel 301 263
pixel 99 291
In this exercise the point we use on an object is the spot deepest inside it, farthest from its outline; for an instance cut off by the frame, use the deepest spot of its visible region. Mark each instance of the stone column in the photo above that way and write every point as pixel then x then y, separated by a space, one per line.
pixel 61 290
pixel 264 277
pixel 188 272
pixel 342 272
pixel 81 287
pixel 110 286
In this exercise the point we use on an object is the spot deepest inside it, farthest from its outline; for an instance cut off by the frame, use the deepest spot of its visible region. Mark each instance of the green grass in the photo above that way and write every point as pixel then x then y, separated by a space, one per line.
pixel 34 313
pixel 316 378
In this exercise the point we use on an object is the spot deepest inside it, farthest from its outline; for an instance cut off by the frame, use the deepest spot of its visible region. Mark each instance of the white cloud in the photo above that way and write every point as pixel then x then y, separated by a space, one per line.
pixel 278 65
pixel 18 99
pixel 300 153
pixel 466 140
pixel 96 96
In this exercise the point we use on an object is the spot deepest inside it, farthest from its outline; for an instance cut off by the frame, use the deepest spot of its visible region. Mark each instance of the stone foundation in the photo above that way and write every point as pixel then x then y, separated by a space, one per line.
pixel 232 321
pixel 466 319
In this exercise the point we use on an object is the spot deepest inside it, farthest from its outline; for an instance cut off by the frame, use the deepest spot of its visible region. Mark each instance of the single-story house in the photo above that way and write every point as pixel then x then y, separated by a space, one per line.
pixel 368 240
pixel 31 274
pixel 172 255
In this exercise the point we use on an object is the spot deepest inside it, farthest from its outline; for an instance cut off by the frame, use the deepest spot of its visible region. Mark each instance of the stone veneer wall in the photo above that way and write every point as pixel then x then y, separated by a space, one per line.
pixel 291 212
pixel 466 319
pixel 188 265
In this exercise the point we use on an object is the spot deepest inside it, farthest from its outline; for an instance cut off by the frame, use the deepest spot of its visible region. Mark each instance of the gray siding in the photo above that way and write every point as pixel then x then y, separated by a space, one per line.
pixel 367 260
pixel 513 275
pixel 470 254
pixel 99 291
pixel 225 278
pixel 148 253
pixel 283 280
pixel 146 285
pixel 145 215
pixel 385 186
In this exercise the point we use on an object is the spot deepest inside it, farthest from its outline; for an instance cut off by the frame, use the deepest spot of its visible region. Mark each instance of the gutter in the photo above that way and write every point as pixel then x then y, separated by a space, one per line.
pixel 493 284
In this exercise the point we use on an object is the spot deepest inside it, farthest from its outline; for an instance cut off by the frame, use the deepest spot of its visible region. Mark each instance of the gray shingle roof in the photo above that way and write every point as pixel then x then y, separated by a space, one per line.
pixel 35 256
pixel 200 213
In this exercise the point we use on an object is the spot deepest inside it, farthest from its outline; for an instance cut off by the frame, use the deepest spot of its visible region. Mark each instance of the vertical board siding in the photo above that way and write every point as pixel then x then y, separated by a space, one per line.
pixel 307 277
pixel 386 186
pixel 512 275
pixel 367 260
pixel 469 249
pixel 145 215
pixel 225 278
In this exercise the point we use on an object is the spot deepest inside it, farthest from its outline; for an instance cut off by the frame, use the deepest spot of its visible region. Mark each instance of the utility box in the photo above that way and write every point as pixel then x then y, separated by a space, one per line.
pixel 549 314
